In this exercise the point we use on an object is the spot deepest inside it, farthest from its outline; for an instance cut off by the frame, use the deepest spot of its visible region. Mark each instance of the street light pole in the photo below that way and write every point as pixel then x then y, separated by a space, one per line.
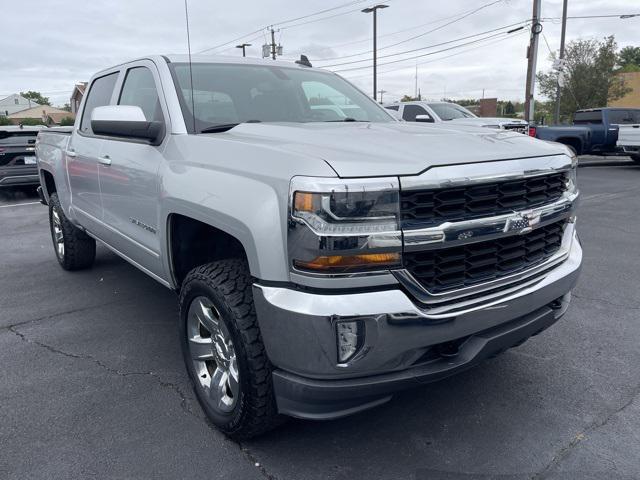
pixel 556 116
pixel 374 10
pixel 243 46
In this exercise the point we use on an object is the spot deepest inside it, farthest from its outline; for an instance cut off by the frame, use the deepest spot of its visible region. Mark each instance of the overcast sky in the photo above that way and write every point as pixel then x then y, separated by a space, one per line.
pixel 49 45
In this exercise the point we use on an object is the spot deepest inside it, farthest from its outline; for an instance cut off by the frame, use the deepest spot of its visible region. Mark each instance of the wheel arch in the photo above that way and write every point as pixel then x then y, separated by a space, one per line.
pixel 192 242
pixel 574 142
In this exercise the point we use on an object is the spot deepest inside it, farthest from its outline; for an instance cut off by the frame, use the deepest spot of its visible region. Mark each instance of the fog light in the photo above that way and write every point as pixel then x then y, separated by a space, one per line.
pixel 350 338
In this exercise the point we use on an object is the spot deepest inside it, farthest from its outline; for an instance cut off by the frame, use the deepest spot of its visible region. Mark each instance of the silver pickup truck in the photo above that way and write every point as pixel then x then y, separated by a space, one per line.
pixel 325 254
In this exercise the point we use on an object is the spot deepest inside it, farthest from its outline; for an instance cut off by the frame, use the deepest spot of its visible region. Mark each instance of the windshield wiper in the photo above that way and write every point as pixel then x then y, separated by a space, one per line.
pixel 348 119
pixel 224 127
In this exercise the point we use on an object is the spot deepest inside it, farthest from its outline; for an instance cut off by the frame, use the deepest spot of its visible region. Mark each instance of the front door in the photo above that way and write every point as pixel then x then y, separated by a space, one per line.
pixel 129 177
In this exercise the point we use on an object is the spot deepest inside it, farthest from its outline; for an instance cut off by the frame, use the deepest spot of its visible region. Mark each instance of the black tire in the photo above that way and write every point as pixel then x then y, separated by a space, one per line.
pixel 79 249
pixel 227 285
pixel 636 157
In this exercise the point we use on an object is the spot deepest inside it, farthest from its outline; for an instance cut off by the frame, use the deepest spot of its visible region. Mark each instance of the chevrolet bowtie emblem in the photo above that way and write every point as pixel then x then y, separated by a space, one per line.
pixel 522 222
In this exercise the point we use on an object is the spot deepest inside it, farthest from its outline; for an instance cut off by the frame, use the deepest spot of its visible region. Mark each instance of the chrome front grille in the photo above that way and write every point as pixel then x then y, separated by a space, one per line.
pixel 440 270
pixel 434 206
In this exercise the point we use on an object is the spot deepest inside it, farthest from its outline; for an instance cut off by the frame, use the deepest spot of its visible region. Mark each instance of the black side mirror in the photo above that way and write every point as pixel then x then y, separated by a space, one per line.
pixel 125 121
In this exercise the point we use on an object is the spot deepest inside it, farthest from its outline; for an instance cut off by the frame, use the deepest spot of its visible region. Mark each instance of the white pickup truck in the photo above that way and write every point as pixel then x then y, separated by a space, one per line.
pixel 629 140
pixel 437 112
pixel 325 254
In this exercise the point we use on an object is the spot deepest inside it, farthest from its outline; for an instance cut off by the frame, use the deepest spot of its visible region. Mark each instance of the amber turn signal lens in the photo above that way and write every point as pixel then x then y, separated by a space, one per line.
pixel 303 202
pixel 338 261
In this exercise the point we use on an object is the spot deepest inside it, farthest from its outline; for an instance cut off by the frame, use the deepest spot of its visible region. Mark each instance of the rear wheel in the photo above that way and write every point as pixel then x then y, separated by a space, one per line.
pixel 223 349
pixel 74 249
pixel 636 157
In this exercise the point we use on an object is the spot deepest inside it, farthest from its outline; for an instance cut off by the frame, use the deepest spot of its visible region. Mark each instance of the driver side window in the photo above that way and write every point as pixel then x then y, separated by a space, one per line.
pixel 410 112
pixel 139 89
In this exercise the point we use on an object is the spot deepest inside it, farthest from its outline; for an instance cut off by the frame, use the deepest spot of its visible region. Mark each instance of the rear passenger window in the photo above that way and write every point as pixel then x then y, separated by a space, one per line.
pixel 588 117
pixel 618 117
pixel 139 90
pixel 99 95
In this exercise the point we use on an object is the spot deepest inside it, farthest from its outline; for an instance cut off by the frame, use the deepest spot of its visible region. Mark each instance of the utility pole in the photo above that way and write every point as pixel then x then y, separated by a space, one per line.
pixel 273 43
pixel 243 46
pixel 381 92
pixel 271 49
pixel 374 10
pixel 556 116
pixel 532 56
pixel 415 90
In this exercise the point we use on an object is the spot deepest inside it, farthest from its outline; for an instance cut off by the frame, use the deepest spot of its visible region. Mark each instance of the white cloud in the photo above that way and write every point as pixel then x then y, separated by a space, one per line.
pixel 54 44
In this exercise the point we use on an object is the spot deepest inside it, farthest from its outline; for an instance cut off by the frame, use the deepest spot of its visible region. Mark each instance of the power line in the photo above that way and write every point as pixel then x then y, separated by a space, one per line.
pixel 399 31
pixel 621 16
pixel 465 15
pixel 323 18
pixel 282 23
pixel 480 45
pixel 429 46
pixel 425 54
pixel 320 12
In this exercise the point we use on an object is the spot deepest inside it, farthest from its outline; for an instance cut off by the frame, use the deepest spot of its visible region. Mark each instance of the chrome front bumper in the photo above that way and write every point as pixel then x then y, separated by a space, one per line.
pixel 298 329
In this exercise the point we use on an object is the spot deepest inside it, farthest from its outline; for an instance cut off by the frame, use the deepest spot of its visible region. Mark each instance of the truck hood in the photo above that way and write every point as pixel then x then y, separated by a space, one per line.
pixel 389 149
pixel 488 121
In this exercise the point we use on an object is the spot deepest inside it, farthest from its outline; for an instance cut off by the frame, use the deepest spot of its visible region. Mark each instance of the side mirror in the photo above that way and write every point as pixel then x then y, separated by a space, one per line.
pixel 125 121
pixel 424 118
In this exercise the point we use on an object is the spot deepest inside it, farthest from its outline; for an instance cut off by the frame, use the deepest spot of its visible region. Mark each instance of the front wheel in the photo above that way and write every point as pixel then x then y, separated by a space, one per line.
pixel 223 349
pixel 74 249
pixel 636 158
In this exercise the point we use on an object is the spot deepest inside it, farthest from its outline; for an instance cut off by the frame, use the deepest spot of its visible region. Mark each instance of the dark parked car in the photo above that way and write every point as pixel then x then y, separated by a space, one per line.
pixel 594 131
pixel 17 156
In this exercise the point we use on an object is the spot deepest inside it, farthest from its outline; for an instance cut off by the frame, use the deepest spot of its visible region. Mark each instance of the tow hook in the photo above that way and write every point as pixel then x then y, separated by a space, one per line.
pixel 448 350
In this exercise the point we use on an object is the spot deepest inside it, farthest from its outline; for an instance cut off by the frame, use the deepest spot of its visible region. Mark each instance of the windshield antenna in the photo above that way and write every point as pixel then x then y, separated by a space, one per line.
pixel 193 103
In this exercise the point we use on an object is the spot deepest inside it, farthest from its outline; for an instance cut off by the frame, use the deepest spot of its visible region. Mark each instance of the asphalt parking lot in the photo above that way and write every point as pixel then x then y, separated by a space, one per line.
pixel 93 384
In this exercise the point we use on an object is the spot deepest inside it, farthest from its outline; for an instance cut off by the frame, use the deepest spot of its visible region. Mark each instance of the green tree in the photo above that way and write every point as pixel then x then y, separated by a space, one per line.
pixel 4 121
pixel 66 107
pixel 629 57
pixel 67 122
pixel 590 76
pixel 408 98
pixel 509 108
pixel 36 97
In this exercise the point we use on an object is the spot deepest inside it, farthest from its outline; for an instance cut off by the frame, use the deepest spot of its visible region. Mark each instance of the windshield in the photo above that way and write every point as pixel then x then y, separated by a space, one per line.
pixel 450 111
pixel 225 94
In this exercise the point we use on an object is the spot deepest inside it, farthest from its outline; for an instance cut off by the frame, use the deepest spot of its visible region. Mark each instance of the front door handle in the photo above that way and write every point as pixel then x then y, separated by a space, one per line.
pixel 71 153
pixel 105 160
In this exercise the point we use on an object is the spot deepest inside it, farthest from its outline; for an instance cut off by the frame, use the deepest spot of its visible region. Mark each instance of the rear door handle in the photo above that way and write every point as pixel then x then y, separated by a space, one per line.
pixel 105 160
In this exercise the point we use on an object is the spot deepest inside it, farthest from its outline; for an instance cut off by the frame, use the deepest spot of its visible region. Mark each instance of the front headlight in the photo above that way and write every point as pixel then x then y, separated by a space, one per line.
pixel 343 226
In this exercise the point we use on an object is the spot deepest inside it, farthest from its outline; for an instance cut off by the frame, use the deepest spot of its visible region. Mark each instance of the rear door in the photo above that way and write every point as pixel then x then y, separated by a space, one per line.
pixel 83 155
pixel 594 120
pixel 129 176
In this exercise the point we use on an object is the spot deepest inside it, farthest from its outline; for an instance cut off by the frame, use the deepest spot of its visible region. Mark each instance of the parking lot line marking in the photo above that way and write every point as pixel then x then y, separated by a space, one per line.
pixel 18 204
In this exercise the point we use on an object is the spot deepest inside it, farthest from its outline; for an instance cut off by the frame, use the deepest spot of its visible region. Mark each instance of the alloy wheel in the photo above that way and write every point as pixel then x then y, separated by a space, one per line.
pixel 213 355
pixel 58 234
